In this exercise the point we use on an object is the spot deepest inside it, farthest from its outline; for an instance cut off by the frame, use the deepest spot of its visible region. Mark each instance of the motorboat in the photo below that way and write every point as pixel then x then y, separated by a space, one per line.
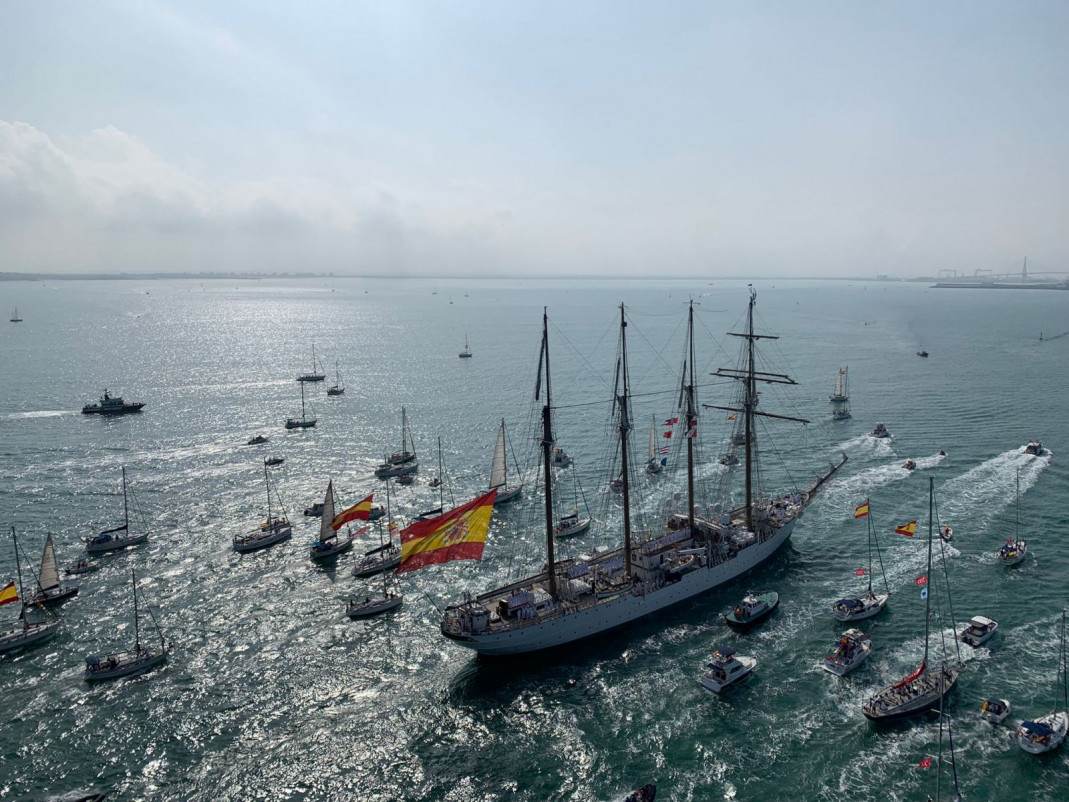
pixel 979 631
pixel 81 567
pixel 647 793
pixel 257 440
pixel 726 669
pixel 946 534
pixel 112 405
pixel 273 461
pixel 752 610
pixel 729 459
pixel 315 511
pixel 865 606
pixel 559 458
pixel 1012 552
pixel 851 650
pixel 1034 447
pixel 880 431
pixel 376 512
pixel 922 352
pixel 995 710
pixel 372 605
pixel 910 464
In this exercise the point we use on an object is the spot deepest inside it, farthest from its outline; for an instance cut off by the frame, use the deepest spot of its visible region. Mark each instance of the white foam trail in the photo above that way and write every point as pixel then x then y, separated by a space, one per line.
pixel 844 494
pixel 42 413
pixel 867 444
pixel 990 487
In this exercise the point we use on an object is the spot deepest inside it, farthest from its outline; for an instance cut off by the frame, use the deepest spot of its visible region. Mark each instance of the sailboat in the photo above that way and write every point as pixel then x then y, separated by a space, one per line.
pixel 466 353
pixel 438 482
pixel 654 462
pixel 316 374
pixel 402 462
pixel 869 603
pixel 1048 732
pixel 25 632
pixel 1014 550
pixel 386 556
pixel 15 316
pixel 841 395
pixel 378 561
pixel 302 422
pixel 274 530
pixel 49 590
pixel 118 537
pixel 573 523
pixel 574 599
pixel 329 543
pixel 924 689
pixel 338 388
pixel 128 664
pixel 499 471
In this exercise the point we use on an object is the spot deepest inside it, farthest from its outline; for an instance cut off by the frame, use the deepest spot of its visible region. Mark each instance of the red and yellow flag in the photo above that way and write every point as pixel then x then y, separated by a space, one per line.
pixel 8 594
pixel 907 529
pixel 360 511
pixel 862 510
pixel 459 534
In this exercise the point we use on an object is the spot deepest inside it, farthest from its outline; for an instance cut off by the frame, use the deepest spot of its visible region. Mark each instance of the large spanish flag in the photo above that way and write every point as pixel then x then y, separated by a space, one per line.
pixel 8 594
pixel 360 511
pixel 862 510
pixel 459 534
pixel 907 529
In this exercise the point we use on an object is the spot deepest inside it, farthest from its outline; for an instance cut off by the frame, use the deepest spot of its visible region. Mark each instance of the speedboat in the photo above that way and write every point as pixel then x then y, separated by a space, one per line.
pixel 258 440
pixel 726 669
pixel 752 610
pixel 910 464
pixel 979 631
pixel 946 534
pixel 372 605
pixel 866 606
pixel 1012 552
pixel 880 431
pixel 1044 734
pixel 995 710
pixel 1034 447
pixel 112 405
pixel 100 669
pixel 646 793
pixel 376 512
pixel 273 531
pixel 850 651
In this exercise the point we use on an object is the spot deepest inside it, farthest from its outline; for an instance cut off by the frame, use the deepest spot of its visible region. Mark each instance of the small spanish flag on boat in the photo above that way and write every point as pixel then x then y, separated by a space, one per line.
pixel 862 510
pixel 908 530
pixel 360 511
pixel 459 534
pixel 8 595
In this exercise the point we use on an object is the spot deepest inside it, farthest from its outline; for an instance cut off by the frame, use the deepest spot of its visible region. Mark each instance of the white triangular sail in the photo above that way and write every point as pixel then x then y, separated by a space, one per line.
pixel 499 469
pixel 653 439
pixel 325 530
pixel 49 576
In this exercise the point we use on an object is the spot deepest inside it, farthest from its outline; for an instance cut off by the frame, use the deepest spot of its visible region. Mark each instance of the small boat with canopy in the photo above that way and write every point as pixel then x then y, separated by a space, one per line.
pixel 851 650
pixel 726 669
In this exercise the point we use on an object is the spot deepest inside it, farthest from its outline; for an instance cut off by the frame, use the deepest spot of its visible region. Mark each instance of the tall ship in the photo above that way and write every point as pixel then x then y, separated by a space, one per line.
pixel 575 599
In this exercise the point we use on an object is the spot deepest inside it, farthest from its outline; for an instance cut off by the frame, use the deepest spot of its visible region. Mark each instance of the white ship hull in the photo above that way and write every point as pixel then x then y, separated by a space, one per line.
pixel 608 614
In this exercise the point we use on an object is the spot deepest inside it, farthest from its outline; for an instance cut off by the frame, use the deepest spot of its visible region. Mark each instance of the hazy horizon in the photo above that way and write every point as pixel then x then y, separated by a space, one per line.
pixel 491 139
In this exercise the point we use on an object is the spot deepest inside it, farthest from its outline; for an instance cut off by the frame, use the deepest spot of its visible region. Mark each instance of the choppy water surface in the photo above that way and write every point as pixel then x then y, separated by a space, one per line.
pixel 271 693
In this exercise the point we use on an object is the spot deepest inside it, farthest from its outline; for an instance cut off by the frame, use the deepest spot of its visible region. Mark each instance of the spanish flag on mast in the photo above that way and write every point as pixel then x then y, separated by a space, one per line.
pixel 862 510
pixel 360 511
pixel 8 594
pixel 459 534
pixel 908 530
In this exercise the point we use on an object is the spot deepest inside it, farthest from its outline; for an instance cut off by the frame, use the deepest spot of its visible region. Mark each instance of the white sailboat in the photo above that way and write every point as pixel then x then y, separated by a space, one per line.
pixel 499 471
pixel 574 599
pixel 49 590
pixel 338 388
pixel 1047 733
pixel 466 353
pixel 386 556
pixel 654 461
pixel 15 316
pixel 128 664
pixel 439 483
pixel 25 632
pixel 573 523
pixel 274 530
pixel 841 394
pixel 118 537
pixel 330 544
pixel 316 374
pixel 869 603
pixel 303 422
pixel 403 462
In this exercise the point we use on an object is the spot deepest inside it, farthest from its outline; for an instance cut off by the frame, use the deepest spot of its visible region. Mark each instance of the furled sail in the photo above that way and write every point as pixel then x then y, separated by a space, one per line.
pixel 498 468
pixel 325 529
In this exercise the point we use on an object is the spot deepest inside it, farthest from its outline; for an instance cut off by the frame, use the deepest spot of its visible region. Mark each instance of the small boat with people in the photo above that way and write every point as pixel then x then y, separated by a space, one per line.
pixel 841 413
pixel 979 630
pixel 1046 733
pixel 851 650
pixel 880 431
pixel 372 605
pixel 83 566
pixel 274 530
pixel 726 669
pixel 112 405
pixel 647 793
pixel 118 537
pixel 128 664
pixel 315 511
pixel 995 710
pixel 910 464
pixel 258 440
pixel 49 589
pixel 1012 552
pixel 752 610
pixel 1034 447
pixel 729 459
pixel 558 457
pixel 946 534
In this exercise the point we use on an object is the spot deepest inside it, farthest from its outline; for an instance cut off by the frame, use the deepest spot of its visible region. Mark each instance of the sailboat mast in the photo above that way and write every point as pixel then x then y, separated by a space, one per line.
pixel 125 503
pixel 927 588
pixel 869 519
pixel 748 406
pixel 547 468
pixel 692 420
pixel 625 428
pixel 1017 513
pixel 302 396
pixel 267 484
pixel 18 565
pixel 441 481
pixel 404 426
pixel 137 628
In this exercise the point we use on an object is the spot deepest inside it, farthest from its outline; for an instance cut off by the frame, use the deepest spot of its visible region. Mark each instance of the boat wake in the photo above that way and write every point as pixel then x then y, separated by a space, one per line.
pixel 990 486
pixel 866 444
pixel 842 495
pixel 41 413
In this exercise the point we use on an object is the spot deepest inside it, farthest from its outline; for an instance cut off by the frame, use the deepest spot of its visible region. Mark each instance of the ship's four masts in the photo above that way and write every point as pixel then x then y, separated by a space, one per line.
pixel 547 444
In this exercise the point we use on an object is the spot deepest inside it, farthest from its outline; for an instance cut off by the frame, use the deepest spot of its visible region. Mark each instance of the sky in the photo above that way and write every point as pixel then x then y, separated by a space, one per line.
pixel 496 138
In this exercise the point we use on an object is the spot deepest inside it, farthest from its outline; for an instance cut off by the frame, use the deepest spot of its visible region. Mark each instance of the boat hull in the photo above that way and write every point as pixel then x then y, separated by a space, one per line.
pixel 56 595
pixel 125 409
pixel 243 544
pixel 621 610
pixel 506 496
pixel 127 666
pixel 1058 723
pixel 327 553
pixel 371 569
pixel 371 607
pixel 842 614
pixel 115 544
pixel 24 637
pixel 913 707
